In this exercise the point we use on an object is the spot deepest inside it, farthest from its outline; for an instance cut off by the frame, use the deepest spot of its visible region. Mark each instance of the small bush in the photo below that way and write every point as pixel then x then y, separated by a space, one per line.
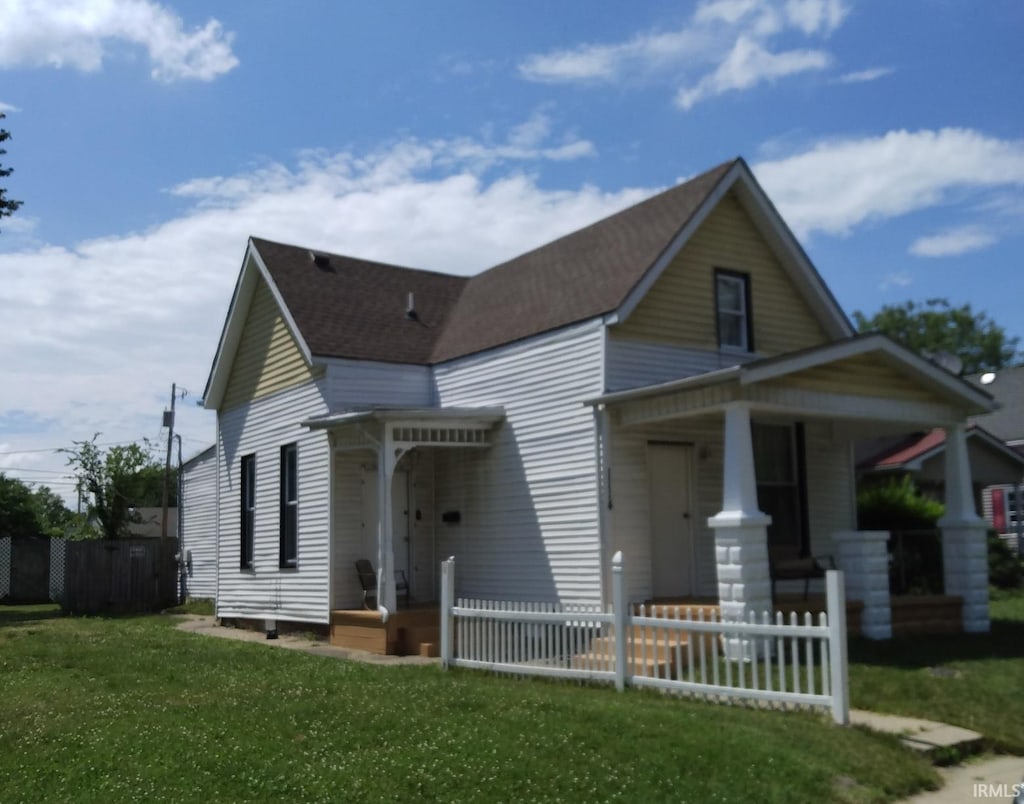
pixel 1005 570
pixel 896 505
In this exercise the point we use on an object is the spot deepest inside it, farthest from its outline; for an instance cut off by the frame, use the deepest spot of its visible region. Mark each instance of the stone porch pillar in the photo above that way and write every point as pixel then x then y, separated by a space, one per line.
pixel 863 556
pixel 964 548
pixel 741 528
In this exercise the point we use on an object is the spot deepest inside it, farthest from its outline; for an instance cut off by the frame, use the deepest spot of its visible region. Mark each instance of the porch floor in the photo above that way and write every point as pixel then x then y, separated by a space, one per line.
pixel 415 631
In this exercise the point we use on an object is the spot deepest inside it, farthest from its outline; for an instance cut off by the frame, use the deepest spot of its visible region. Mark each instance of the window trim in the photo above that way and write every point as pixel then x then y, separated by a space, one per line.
pixel 746 315
pixel 288 521
pixel 247 511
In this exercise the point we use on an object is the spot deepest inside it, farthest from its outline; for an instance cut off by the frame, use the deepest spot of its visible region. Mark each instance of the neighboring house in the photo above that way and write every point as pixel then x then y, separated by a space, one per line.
pixel 199 525
pixel 1003 503
pixel 147 523
pixel 921 456
pixel 674 381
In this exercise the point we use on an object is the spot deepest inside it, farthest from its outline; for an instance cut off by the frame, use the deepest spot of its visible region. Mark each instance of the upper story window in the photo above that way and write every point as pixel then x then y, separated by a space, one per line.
pixel 248 523
pixel 732 308
pixel 289 505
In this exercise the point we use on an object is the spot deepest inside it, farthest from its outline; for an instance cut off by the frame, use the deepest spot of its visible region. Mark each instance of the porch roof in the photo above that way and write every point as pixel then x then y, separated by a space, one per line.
pixel 408 428
pixel 846 378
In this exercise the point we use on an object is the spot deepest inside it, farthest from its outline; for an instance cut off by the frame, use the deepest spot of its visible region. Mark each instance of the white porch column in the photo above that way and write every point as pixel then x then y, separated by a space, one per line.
pixel 386 599
pixel 741 528
pixel 863 556
pixel 964 549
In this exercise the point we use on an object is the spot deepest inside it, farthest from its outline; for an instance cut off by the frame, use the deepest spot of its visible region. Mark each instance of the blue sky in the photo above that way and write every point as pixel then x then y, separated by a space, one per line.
pixel 149 139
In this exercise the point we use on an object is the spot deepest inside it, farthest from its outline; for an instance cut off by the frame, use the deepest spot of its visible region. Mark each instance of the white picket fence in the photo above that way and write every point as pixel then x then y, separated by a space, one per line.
pixel 769 659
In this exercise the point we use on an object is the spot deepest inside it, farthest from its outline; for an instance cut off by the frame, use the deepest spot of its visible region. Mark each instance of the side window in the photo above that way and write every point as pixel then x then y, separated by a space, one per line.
pixel 248 489
pixel 732 310
pixel 289 505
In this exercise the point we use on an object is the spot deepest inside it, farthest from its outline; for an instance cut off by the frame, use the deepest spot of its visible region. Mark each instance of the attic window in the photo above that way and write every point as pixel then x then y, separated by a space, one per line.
pixel 732 311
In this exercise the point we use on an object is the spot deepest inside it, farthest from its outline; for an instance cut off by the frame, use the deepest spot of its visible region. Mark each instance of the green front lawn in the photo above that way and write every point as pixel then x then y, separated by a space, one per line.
pixel 974 681
pixel 131 709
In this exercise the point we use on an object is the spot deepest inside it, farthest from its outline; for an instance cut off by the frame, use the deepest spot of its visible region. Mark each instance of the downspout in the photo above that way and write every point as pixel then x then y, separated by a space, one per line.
pixel 180 528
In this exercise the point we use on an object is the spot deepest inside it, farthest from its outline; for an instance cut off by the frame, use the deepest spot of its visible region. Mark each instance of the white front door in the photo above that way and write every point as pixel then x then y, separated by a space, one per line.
pixel 669 468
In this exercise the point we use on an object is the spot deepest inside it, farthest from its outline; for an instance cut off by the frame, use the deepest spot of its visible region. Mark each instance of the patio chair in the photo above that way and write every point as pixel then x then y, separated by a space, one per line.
pixel 368 580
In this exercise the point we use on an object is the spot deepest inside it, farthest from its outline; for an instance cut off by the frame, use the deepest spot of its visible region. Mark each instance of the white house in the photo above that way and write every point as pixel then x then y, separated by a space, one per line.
pixel 198 511
pixel 674 381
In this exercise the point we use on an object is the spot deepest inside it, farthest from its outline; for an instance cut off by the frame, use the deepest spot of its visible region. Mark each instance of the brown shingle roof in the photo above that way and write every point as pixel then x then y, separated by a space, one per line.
pixel 356 309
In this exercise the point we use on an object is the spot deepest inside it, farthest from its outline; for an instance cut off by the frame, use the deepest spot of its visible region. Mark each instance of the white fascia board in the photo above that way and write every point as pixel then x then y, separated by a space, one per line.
pixel 253 268
pixel 231 333
pixel 285 312
pixel 792 256
pixel 833 352
pixel 654 273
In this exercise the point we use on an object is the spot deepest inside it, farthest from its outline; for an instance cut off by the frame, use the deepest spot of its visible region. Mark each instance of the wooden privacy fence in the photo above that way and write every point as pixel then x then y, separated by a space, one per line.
pixel 120 576
pixel 766 659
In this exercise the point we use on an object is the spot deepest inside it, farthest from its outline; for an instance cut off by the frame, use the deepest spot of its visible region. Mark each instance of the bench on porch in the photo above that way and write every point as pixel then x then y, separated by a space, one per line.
pixel 798 568
pixel 368 580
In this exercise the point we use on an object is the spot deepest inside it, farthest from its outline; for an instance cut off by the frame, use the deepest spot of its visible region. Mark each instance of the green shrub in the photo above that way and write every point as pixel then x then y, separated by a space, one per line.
pixel 896 504
pixel 1005 570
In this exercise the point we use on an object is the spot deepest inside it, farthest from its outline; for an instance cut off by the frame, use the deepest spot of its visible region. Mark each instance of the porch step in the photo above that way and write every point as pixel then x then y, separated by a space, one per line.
pixel 926 614
pixel 650 653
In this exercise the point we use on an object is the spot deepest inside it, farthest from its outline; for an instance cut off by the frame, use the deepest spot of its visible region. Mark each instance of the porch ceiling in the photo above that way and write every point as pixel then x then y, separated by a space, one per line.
pixel 869 378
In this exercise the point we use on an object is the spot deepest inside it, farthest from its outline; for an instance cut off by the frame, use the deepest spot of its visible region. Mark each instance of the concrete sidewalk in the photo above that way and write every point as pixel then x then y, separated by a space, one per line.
pixel 982 777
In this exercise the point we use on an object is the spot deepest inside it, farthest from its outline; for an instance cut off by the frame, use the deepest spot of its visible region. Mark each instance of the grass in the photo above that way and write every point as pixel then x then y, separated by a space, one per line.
pixel 195 605
pixel 130 709
pixel 974 681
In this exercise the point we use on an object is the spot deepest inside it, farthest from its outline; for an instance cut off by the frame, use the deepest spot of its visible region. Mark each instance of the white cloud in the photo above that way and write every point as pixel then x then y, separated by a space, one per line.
pixel 897 280
pixel 726 45
pixel 95 333
pixel 864 76
pixel 953 242
pixel 835 186
pixel 76 33
pixel 6 107
pixel 747 65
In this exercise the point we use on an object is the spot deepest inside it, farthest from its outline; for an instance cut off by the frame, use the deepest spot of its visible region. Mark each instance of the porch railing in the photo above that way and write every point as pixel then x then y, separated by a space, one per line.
pixel 768 659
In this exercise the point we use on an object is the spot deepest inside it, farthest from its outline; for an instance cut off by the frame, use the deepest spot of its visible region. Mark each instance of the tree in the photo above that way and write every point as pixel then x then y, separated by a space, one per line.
pixel 936 326
pixel 54 517
pixel 114 479
pixel 25 513
pixel 18 516
pixel 7 205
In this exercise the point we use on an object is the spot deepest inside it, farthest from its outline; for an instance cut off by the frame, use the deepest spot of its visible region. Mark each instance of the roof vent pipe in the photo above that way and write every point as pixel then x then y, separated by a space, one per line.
pixel 410 308
pixel 321 260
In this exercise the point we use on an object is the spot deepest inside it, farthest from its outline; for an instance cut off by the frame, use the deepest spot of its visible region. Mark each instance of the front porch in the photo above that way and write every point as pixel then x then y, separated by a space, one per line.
pixel 762 474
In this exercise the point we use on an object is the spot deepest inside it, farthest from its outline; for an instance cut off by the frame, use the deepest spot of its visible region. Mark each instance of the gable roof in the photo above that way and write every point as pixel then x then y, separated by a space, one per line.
pixel 908 453
pixel 340 306
pixel 346 307
pixel 1007 386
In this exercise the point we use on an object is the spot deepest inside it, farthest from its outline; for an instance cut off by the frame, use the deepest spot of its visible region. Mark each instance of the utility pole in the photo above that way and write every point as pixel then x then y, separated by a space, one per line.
pixel 169 424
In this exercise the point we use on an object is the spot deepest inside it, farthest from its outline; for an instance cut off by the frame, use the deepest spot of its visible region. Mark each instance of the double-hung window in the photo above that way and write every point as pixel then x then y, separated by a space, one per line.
pixel 289 505
pixel 248 499
pixel 732 311
pixel 781 485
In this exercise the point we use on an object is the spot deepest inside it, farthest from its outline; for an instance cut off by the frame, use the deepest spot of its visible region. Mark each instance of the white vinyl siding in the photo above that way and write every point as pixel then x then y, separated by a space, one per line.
pixel 261 428
pixel 528 504
pixel 367 383
pixel 199 524
pixel 632 364
pixel 629 519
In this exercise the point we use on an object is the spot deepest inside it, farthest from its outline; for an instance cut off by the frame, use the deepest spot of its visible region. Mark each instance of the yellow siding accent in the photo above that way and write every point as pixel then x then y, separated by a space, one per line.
pixel 268 358
pixel 864 375
pixel 680 308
